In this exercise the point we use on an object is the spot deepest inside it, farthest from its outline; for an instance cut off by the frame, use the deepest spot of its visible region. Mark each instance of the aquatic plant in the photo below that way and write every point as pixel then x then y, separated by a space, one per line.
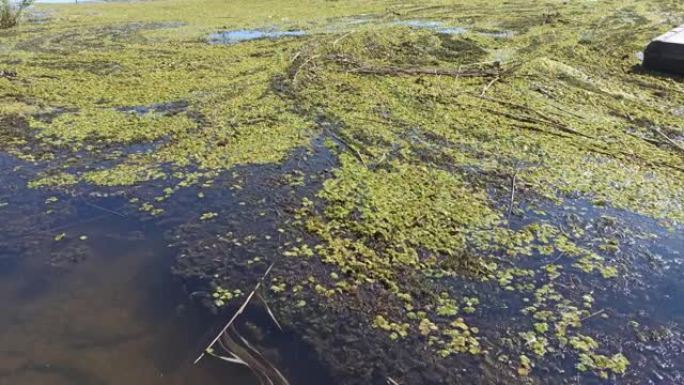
pixel 465 171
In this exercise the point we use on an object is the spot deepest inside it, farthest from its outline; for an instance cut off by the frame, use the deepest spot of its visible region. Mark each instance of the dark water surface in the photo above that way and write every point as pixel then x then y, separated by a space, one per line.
pixel 99 306
pixel 88 296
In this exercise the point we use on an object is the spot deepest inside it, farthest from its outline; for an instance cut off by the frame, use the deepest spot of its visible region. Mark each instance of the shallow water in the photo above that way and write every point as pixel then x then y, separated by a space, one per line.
pixel 99 306
pixel 444 28
pixel 243 35
pixel 240 35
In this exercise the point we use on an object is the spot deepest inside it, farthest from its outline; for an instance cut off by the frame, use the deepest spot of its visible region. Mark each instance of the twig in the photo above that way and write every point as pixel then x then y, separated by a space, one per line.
pixel 544 118
pixel 647 140
pixel 268 367
pixel 270 313
pixel 356 152
pixel 93 205
pixel 671 141
pixel 391 381
pixel 307 61
pixel 334 44
pixel 233 360
pixel 567 111
pixel 593 314
pixel 343 59
pixel 394 71
pixel 232 347
pixel 484 90
pixel 510 205
pixel 294 58
pixel 533 128
pixel 524 119
pixel 239 311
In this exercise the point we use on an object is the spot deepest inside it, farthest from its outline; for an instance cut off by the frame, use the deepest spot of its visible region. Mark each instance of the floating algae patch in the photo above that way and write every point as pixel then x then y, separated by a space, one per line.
pixel 440 208
pixel 556 295
pixel 171 108
pixel 241 35
pixel 84 277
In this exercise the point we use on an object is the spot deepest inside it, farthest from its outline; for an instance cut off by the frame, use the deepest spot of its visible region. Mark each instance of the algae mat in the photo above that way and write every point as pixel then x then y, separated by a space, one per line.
pixel 450 192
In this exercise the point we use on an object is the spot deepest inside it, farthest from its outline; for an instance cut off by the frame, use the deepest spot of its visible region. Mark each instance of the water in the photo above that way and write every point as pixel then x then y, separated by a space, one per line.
pixel 444 28
pixel 100 306
pixel 436 26
pixel 241 35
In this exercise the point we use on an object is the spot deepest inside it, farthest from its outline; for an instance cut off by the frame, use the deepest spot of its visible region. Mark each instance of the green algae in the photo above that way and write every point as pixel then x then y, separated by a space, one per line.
pixel 431 168
pixel 617 166
pixel 110 126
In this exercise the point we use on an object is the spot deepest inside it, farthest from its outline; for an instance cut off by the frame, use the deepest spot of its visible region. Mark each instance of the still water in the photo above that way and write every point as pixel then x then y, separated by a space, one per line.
pixel 99 306
pixel 88 297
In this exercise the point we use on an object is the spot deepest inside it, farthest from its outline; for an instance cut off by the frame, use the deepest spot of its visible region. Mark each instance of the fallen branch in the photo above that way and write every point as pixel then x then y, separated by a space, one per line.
pixel 534 128
pixel 525 119
pixel 233 360
pixel 243 353
pixel 299 68
pixel 337 41
pixel 647 140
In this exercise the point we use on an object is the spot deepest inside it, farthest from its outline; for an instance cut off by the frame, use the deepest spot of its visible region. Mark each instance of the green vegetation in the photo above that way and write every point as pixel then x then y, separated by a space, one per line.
pixel 465 163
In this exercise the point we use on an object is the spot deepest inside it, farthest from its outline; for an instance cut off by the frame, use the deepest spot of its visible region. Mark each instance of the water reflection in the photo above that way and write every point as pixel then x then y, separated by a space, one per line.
pixel 240 35
pixel 446 29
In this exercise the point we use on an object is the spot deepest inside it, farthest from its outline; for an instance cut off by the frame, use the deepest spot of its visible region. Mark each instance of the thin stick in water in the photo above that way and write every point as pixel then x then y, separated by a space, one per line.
pixel 239 311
